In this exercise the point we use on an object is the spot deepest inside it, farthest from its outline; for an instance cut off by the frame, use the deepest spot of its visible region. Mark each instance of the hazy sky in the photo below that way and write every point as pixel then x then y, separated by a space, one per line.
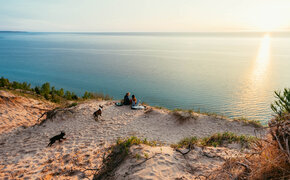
pixel 145 15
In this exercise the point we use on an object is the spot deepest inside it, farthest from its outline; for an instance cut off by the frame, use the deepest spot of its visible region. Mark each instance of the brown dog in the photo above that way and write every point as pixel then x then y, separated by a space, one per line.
pixel 98 113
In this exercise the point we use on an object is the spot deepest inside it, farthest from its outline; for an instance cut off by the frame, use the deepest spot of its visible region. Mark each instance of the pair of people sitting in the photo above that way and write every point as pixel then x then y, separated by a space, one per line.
pixel 134 102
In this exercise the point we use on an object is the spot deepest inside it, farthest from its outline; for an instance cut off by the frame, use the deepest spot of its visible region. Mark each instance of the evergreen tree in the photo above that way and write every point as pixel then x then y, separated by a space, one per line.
pixel 4 82
pixel 37 89
pixel 45 88
pixel 68 95
pixel 60 92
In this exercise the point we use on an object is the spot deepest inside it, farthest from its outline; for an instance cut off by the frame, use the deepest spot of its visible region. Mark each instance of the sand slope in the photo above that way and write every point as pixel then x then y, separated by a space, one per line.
pixel 147 162
pixel 24 152
pixel 18 111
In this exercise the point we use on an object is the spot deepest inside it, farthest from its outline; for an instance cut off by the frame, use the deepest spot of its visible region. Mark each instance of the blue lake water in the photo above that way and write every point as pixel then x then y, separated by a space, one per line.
pixel 233 74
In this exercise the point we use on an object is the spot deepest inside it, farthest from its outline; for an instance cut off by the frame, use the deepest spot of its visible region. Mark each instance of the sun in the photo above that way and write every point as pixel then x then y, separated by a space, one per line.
pixel 268 19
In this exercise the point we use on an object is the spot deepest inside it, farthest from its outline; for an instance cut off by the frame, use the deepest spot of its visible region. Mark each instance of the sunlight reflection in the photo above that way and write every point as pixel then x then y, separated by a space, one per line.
pixel 252 95
pixel 263 59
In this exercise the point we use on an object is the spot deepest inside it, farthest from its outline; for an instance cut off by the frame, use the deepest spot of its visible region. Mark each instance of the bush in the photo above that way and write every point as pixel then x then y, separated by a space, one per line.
pixel 186 142
pixel 72 105
pixel 51 93
pixel 90 95
pixel 68 95
pixel 271 157
pixel 74 96
pixel 60 92
pixel 282 105
pixel 219 139
pixel 45 88
pixel 37 90
pixel 4 82
pixel 183 116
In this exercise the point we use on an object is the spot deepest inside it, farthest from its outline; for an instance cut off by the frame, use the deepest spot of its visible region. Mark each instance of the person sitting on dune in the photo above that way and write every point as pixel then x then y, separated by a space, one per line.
pixel 135 103
pixel 126 99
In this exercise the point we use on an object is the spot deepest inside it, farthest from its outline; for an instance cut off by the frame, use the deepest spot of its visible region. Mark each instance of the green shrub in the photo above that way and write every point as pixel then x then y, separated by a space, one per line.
pixel 60 92
pixel 68 95
pixel 51 93
pixel 74 96
pixel 72 105
pixel 37 90
pixel 45 88
pixel 4 82
pixel 282 105
pixel 186 142
pixel 46 96
pixel 219 139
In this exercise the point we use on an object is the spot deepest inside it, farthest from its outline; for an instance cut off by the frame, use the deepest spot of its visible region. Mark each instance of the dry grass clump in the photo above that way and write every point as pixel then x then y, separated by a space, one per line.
pixel 266 162
pixel 254 123
pixel 270 159
pixel 185 142
pixel 218 139
pixel 271 156
pixel 118 153
pixel 183 116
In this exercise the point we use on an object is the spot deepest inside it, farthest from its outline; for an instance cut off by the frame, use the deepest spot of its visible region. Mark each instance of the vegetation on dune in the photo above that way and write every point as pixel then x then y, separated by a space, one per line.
pixel 255 123
pixel 271 156
pixel 281 106
pixel 50 93
pixel 183 116
pixel 218 139
pixel 116 155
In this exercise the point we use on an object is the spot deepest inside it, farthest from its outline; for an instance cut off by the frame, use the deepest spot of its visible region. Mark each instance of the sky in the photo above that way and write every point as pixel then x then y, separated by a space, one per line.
pixel 145 15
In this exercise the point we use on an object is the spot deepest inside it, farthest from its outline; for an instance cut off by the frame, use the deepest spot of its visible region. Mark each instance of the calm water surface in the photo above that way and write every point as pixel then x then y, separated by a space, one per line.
pixel 233 74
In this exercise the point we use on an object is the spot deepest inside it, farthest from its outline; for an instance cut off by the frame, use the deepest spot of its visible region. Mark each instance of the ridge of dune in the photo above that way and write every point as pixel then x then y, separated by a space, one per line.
pixel 24 152
pixel 18 111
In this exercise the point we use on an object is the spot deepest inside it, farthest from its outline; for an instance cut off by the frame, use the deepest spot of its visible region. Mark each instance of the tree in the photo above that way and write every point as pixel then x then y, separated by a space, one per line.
pixel 45 88
pixel 53 90
pixel 46 96
pixel 74 96
pixel 68 95
pixel 86 95
pixel 4 82
pixel 60 92
pixel 37 89
pixel 25 86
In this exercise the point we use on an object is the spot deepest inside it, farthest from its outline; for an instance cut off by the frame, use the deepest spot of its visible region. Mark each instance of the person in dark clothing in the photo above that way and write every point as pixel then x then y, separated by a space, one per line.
pixel 126 99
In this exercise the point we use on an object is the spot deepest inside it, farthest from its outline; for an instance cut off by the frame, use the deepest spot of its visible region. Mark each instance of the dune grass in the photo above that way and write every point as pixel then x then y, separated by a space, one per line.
pixel 271 156
pixel 218 139
pixel 117 154
pixel 254 123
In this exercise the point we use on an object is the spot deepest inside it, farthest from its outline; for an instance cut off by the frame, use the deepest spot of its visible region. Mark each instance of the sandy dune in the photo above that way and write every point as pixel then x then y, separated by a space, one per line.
pixel 166 163
pixel 18 111
pixel 24 152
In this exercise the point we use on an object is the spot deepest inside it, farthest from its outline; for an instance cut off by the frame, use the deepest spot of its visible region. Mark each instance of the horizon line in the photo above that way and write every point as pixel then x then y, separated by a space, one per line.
pixel 23 31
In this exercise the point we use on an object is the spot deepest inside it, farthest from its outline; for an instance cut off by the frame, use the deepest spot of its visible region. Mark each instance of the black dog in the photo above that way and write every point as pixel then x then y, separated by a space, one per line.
pixel 57 137
pixel 98 113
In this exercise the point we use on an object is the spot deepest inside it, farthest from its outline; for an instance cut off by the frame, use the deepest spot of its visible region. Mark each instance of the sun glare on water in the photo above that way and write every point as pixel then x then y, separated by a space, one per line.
pixel 263 58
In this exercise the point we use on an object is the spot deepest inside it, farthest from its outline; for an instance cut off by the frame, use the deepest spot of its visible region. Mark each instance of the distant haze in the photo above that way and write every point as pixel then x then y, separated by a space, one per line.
pixel 145 16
